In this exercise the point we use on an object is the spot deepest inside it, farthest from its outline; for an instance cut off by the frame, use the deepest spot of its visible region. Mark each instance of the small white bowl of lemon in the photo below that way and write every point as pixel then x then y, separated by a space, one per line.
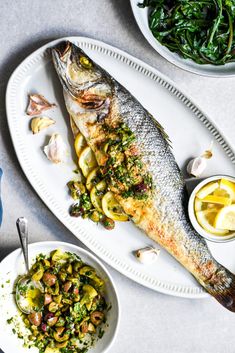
pixel 211 208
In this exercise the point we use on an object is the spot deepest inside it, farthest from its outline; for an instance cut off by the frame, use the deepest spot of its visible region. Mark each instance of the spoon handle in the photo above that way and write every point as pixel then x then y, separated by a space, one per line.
pixel 22 227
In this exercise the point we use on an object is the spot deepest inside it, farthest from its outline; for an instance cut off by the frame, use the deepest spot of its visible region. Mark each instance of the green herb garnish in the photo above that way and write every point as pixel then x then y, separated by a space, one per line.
pixel 200 30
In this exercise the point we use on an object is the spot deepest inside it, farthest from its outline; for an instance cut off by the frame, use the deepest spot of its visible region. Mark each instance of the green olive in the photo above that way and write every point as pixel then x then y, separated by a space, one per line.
pixel 69 269
pixel 62 276
pixel 59 255
pixel 95 216
pixel 59 338
pixel 89 290
pixel 61 345
pixel 61 322
pixel 57 298
pixel 77 265
pixel 37 276
pixel 53 307
pixel 52 321
pixel 67 301
pixel 97 317
pixel 108 223
pixel 87 271
pixel 89 294
pixel 56 289
pixel 76 189
pixel 46 263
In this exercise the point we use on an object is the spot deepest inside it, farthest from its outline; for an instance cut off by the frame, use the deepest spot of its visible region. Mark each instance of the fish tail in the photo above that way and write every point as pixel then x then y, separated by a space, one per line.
pixel 222 287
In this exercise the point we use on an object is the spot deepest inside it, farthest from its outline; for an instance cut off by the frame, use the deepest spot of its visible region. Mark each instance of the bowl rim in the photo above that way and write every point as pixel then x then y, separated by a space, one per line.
pixel 208 236
pixel 176 59
pixel 87 253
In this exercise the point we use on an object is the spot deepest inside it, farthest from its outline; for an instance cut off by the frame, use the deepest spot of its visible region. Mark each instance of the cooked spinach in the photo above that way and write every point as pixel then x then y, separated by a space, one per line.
pixel 202 30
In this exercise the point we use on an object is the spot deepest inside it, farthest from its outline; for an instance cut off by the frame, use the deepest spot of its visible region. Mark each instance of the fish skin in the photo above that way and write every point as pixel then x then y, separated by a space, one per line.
pixel 94 98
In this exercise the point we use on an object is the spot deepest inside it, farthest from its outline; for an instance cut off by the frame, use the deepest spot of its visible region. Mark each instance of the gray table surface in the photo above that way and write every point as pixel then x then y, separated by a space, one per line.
pixel 150 322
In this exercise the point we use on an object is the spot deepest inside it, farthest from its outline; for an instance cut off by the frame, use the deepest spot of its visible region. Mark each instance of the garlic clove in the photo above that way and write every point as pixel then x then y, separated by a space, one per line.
pixel 56 149
pixel 196 166
pixel 147 255
pixel 37 104
pixel 40 123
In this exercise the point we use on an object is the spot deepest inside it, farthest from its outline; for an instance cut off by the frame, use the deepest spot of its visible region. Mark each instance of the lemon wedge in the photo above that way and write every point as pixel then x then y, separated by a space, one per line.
pixel 79 144
pixel 112 208
pixel 97 193
pixel 228 187
pixel 207 189
pixel 217 200
pixel 87 161
pixel 225 218
pixel 221 192
pixel 205 217
pixel 197 204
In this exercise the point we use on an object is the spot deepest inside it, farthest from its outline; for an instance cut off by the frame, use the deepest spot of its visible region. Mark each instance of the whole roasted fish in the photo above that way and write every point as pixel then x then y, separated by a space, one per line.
pixel 135 158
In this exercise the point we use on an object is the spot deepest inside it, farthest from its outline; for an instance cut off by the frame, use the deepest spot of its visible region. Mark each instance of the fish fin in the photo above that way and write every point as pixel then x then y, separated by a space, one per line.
pixel 162 130
pixel 73 126
pixel 222 288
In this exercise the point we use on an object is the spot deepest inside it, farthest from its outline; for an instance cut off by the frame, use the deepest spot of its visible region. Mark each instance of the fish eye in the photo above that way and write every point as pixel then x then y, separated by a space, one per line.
pixel 85 62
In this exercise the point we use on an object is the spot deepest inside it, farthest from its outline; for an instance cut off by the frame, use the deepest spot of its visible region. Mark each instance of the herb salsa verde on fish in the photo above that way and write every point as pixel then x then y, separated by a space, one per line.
pixel 138 165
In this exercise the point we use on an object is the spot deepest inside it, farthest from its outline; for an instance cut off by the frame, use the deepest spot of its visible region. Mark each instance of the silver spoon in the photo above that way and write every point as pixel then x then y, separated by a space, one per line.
pixel 28 291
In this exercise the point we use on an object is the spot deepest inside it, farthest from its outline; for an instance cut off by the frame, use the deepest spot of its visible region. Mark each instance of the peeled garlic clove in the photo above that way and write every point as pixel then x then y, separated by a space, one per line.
pixel 37 104
pixel 147 255
pixel 196 166
pixel 40 123
pixel 56 149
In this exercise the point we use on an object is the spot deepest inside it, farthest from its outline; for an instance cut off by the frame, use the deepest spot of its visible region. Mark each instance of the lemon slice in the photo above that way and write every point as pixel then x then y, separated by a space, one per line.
pixel 97 193
pixel 208 206
pixel 79 144
pixel 204 217
pixel 112 208
pixel 225 218
pixel 91 176
pixel 210 215
pixel 87 161
pixel 197 204
pixel 206 190
pixel 229 187
pixel 221 192
pixel 217 200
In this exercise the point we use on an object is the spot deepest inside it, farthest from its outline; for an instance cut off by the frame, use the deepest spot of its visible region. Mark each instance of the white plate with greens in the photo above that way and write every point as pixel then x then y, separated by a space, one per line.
pixel 11 322
pixel 142 18
pixel 190 131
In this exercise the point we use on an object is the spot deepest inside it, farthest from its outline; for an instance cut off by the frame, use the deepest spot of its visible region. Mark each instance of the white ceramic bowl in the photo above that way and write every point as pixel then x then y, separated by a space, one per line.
pixel 141 16
pixel 13 265
pixel 192 216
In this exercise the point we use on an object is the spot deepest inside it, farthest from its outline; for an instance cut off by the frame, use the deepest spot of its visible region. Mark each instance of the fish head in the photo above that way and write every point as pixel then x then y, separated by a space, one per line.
pixel 82 79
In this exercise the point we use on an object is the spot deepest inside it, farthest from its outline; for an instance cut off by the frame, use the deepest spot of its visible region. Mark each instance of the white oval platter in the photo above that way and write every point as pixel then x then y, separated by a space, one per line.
pixel 141 17
pixel 190 132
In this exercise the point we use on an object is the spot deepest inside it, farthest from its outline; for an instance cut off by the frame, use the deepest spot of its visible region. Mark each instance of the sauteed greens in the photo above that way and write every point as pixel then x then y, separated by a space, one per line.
pixel 72 308
pixel 201 30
